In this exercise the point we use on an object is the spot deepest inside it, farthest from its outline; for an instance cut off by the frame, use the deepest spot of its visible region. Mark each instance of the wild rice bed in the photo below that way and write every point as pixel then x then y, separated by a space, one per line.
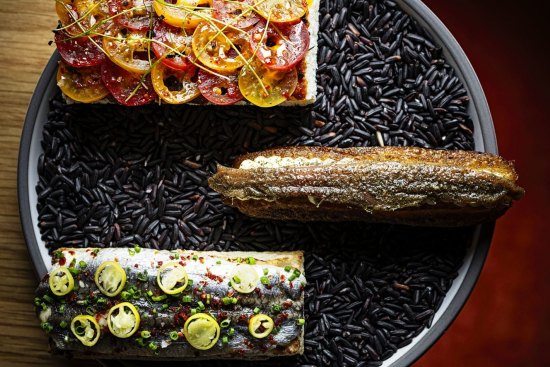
pixel 115 176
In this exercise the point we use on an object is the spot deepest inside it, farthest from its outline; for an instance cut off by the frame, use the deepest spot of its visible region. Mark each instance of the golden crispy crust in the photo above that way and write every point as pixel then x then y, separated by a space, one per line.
pixel 404 185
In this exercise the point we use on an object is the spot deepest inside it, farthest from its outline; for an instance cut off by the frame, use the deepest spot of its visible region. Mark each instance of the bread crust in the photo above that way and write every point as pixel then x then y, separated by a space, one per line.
pixel 402 185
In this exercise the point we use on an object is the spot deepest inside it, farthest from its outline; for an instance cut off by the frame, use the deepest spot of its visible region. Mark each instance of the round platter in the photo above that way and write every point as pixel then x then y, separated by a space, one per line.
pixel 484 137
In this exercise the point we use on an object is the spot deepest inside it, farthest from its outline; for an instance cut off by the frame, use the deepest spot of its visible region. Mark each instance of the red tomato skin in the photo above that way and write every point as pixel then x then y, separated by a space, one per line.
pixel 78 52
pixel 161 33
pixel 121 83
pixel 207 82
pixel 295 46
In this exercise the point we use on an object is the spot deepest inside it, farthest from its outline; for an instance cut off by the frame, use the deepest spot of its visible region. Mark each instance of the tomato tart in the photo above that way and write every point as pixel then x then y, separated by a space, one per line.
pixel 221 52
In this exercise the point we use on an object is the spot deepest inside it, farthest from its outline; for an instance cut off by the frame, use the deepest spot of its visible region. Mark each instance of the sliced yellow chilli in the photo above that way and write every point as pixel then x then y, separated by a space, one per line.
pixel 260 325
pixel 86 329
pixel 61 281
pixel 123 320
pixel 244 278
pixel 201 331
pixel 172 278
pixel 110 278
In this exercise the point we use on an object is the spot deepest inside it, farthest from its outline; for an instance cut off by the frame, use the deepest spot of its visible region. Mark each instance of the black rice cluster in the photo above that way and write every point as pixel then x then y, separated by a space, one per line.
pixel 112 176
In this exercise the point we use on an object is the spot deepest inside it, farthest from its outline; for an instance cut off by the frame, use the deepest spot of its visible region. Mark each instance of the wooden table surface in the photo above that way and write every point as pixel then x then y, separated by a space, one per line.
pixel 24 39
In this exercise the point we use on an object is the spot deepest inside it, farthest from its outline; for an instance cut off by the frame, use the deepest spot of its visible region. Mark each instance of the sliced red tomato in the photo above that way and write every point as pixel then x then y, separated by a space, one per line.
pixel 218 90
pixel 122 84
pixel 134 14
pixel 280 47
pixel 83 15
pixel 128 49
pixel 278 85
pixel 79 52
pixel 81 84
pixel 219 51
pixel 166 37
pixel 282 11
pixel 227 12
pixel 174 86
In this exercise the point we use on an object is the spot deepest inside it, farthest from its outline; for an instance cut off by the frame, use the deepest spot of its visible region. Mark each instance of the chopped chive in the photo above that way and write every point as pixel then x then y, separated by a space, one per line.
pixel 48 298
pixel 193 311
pixel 62 309
pixel 131 251
pixel 174 335
pixel 256 310
pixel 95 252
pixel 90 310
pixel 165 306
pixel 153 346
pixel 46 326
pixel 143 276
pixel 218 262
pixel 63 324
pixel 251 261
pixel 300 322
pixel 101 301
pixel 145 334
pixel 231 332
pixel 150 293
pixel 225 339
pixel 187 299
pixel 125 296
pixel 73 271
pixel 201 305
pixel 58 254
pixel 160 298
pixel 82 264
pixel 195 257
pixel 239 260
pixel 44 306
pixel 266 271
pixel 225 323
pixel 236 279
pixel 276 308
pixel 82 302
pixel 297 272
pixel 288 268
pixel 234 300
pixel 292 277
pixel 137 249
pixel 264 280
pixel 226 300
pixel 208 297
pixel 37 301
pixel 140 342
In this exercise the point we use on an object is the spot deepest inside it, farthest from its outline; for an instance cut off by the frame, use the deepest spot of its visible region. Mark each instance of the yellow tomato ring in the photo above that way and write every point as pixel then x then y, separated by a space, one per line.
pixel 121 306
pixel 188 334
pixel 174 290
pixel 118 270
pixel 89 319
pixel 55 286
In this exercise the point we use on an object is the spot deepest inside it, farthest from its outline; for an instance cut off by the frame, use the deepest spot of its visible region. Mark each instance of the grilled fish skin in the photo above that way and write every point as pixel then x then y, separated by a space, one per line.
pixel 400 185
pixel 210 274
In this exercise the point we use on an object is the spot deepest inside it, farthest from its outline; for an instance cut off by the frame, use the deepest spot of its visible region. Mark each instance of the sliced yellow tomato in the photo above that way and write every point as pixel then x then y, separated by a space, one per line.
pixel 279 85
pixel 178 14
pixel 82 15
pixel 201 331
pixel 219 51
pixel 110 278
pixel 174 86
pixel 128 49
pixel 244 278
pixel 81 84
pixel 282 11
pixel 172 278
pixel 260 325
pixel 123 320
pixel 86 329
pixel 61 281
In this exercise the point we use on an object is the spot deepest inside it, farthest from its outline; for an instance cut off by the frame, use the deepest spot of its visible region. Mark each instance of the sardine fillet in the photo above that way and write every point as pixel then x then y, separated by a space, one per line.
pixel 402 185
pixel 209 273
